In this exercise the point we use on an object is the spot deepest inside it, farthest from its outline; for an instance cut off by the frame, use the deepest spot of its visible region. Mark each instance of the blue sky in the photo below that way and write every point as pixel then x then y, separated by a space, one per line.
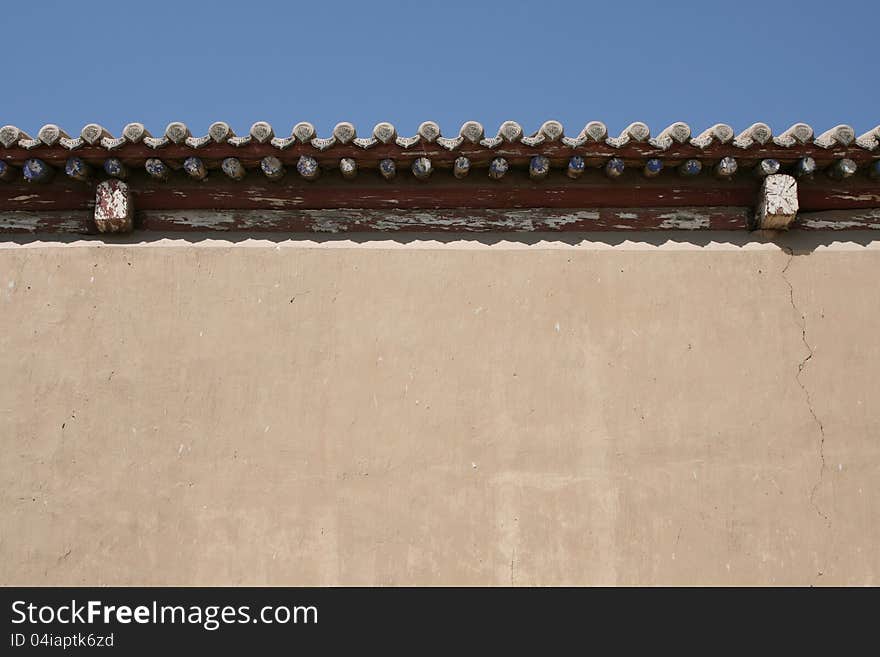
pixel 736 62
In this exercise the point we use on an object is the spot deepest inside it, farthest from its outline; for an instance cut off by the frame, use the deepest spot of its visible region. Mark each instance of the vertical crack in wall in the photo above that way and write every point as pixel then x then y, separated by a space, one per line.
pixel 513 568
pixel 800 370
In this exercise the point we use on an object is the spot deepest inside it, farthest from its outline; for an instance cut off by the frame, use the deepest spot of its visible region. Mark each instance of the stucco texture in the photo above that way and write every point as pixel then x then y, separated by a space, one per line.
pixel 199 412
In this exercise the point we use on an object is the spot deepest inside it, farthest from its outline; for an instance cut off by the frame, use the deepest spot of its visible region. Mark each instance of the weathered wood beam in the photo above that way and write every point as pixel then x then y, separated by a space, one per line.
pixel 843 168
pixel 867 219
pixel 36 170
pixel 615 167
pixel 272 167
pixel 805 167
pixel 53 221
pixel 653 168
pixel 422 168
pixel 767 167
pixel 156 168
pixel 392 220
pixel 116 168
pixel 76 169
pixel 114 209
pixel 195 168
pixel 515 190
pixel 576 167
pixel 348 168
pixel 498 168
pixel 450 220
pixel 388 168
pixel 233 168
pixel 726 168
pixel 539 167
pixel 8 173
pixel 777 204
pixel 308 167
pixel 690 168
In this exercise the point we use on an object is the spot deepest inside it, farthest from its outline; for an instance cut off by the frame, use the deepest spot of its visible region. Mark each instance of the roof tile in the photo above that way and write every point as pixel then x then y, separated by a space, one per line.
pixel 471 132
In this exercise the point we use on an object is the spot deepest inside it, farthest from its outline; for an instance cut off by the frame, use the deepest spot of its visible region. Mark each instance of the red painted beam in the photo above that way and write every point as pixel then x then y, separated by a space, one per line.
pixel 518 154
pixel 516 190
pixel 392 221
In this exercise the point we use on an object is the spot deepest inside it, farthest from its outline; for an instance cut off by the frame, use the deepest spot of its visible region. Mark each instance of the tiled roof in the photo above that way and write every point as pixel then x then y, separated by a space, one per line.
pixel 471 133
pixel 717 179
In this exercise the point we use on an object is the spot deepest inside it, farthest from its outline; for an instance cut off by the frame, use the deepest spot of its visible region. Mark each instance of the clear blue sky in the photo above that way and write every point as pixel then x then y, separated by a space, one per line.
pixel 737 62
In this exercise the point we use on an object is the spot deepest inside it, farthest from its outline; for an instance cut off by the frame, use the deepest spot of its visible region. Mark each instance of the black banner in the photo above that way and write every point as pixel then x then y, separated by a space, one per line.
pixel 134 621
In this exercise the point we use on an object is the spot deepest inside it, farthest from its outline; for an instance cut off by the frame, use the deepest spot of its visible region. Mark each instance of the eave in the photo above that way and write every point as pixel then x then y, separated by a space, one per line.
pixel 546 181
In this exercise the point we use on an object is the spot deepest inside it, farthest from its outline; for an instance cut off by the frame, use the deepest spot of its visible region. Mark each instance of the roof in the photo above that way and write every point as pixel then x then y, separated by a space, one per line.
pixel 716 179
pixel 471 132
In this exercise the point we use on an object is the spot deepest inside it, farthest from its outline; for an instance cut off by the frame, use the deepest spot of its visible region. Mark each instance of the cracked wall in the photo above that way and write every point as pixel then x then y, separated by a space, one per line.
pixel 596 412
pixel 808 356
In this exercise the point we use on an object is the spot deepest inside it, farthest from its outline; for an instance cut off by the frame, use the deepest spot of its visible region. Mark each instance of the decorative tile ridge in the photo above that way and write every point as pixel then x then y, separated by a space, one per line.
pixel 470 133
pixel 799 133
pixel 840 135
pixel 756 134
pixel 870 140
pixel 720 133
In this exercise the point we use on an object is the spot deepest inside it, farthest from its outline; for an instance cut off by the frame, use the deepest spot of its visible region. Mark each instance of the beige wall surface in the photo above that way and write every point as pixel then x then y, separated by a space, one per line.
pixel 190 411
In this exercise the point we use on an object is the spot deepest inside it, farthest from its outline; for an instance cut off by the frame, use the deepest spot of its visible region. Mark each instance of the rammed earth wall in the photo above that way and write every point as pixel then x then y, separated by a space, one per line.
pixel 672 409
